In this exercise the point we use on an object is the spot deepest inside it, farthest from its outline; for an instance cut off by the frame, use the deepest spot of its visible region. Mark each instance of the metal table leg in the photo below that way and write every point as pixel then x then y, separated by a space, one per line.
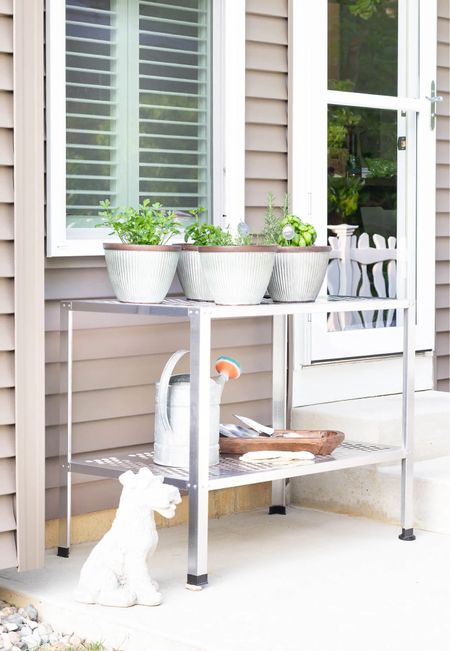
pixel 407 479
pixel 279 393
pixel 65 431
pixel 200 348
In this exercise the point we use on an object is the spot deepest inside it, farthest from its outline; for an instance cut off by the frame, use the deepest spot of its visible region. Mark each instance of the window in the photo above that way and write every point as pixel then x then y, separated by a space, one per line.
pixel 129 113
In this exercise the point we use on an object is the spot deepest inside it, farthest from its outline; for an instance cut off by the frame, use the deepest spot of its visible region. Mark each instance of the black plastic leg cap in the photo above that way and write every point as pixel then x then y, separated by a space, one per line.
pixel 201 579
pixel 277 509
pixel 63 552
pixel 407 534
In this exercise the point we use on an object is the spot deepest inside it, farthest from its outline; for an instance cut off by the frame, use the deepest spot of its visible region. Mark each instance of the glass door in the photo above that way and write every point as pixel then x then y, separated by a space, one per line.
pixel 365 127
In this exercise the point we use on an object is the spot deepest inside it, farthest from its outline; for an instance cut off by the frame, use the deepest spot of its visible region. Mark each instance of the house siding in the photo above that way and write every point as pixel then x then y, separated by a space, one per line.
pixel 443 201
pixel 266 106
pixel 117 360
pixel 8 556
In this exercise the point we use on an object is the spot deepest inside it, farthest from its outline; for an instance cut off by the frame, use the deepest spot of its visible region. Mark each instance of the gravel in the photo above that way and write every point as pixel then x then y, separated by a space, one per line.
pixel 21 630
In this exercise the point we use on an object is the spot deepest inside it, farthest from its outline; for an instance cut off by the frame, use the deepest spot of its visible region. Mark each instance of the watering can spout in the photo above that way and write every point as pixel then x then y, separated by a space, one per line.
pixel 228 369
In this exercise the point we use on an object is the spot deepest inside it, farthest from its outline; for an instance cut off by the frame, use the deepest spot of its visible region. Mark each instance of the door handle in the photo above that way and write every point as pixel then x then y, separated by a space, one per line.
pixel 433 99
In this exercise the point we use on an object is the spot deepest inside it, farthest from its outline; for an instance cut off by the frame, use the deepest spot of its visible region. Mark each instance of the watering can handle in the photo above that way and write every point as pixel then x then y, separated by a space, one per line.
pixel 164 386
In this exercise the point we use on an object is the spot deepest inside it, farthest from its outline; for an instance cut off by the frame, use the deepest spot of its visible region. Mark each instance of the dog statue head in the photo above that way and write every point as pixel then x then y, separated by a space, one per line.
pixel 147 491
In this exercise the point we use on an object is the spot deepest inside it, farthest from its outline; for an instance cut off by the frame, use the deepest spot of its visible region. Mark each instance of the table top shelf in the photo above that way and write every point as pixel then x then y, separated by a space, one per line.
pixel 231 471
pixel 175 306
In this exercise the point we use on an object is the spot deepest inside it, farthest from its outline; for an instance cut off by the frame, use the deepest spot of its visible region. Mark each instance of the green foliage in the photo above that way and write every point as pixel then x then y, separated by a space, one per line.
pixel 336 139
pixel 343 194
pixel 364 9
pixel 207 235
pixel 243 240
pixel 204 234
pixel 367 34
pixel 344 116
pixel 151 224
pixel 272 223
pixel 304 234
pixel 381 168
pixel 341 120
pixel 345 85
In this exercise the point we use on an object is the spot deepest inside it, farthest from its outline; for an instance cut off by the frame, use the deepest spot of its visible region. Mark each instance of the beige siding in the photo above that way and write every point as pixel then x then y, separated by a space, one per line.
pixel 8 555
pixel 443 202
pixel 266 106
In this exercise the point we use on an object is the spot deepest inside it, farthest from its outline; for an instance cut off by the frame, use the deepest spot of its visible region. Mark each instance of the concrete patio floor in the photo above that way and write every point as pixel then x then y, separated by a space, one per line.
pixel 309 581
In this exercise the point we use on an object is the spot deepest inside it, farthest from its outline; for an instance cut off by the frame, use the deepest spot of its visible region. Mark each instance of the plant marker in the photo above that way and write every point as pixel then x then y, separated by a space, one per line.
pixel 243 229
pixel 288 232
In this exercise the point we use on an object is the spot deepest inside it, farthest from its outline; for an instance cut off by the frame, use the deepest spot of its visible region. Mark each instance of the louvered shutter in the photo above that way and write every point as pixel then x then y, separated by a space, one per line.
pixel 174 102
pixel 137 105
pixel 91 124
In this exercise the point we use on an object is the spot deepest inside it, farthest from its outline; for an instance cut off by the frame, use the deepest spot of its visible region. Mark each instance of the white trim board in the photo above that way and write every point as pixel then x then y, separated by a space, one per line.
pixel 357 378
pixel 29 283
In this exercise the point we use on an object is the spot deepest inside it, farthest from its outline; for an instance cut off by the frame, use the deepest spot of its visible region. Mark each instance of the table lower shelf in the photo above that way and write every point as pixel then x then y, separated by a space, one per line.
pixel 230 471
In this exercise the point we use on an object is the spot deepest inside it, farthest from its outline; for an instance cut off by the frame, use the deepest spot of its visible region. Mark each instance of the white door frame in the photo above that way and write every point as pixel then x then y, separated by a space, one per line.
pixel 308 101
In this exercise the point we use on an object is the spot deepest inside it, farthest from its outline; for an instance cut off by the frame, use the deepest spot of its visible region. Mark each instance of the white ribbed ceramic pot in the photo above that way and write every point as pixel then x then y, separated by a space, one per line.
pixel 237 275
pixel 139 273
pixel 190 274
pixel 298 273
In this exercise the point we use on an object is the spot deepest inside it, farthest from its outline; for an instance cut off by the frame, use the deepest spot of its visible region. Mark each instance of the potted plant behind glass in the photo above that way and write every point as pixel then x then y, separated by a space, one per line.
pixel 300 267
pixel 142 265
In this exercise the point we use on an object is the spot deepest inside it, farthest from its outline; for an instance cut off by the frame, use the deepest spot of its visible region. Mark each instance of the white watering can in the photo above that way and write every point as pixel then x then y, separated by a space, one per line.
pixel 172 412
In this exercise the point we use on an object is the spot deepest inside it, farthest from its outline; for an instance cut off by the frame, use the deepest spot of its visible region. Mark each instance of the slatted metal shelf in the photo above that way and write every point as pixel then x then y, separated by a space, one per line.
pixel 182 307
pixel 230 471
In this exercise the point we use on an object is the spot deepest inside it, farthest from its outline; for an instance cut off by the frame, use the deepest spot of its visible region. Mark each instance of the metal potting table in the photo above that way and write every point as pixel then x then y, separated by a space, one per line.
pixel 200 478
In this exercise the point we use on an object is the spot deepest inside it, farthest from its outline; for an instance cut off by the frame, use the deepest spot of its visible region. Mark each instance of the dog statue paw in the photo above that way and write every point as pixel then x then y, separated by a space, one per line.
pixel 115 572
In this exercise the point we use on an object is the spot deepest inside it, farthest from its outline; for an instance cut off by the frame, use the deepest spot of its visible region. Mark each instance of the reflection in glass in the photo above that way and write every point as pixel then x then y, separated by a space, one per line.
pixel 362 209
pixel 362 46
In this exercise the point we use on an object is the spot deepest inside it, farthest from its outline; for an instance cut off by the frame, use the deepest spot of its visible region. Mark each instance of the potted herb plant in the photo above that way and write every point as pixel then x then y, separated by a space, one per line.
pixel 237 271
pixel 300 266
pixel 142 265
pixel 215 265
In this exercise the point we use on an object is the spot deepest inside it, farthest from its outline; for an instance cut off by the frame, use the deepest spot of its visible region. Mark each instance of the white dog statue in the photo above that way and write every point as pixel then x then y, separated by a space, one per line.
pixel 116 573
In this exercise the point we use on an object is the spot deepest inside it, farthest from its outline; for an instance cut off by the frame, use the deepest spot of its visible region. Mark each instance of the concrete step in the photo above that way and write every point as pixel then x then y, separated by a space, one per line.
pixel 378 420
pixel 374 491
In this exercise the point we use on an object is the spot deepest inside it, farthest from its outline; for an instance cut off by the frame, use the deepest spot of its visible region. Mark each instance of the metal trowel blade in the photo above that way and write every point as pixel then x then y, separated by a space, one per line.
pixel 261 429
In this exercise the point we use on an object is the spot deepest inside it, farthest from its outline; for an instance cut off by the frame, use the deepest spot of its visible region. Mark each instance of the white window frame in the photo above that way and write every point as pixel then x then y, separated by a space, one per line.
pixel 228 107
pixel 308 146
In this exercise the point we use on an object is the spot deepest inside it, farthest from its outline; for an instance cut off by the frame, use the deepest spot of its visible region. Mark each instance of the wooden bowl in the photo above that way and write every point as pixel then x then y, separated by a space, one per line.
pixel 319 442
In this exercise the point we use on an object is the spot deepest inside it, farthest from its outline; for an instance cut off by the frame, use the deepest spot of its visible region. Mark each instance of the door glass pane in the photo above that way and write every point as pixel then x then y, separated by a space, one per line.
pixel 362 210
pixel 362 46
